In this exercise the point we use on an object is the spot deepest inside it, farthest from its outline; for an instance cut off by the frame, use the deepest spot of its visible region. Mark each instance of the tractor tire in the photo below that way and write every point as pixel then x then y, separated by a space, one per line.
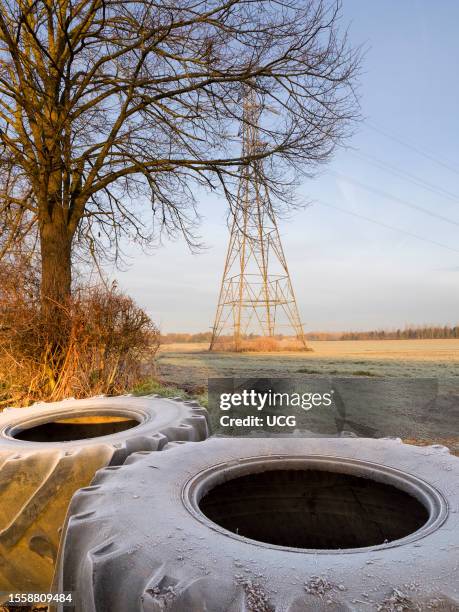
pixel 38 478
pixel 264 525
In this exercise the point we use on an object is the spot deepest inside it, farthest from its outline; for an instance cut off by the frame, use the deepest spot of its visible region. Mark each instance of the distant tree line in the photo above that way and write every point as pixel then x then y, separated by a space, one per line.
pixel 408 333
pixel 177 338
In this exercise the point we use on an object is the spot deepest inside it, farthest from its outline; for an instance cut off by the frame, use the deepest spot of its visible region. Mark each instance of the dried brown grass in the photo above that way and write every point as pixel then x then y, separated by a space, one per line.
pixel 99 344
pixel 260 344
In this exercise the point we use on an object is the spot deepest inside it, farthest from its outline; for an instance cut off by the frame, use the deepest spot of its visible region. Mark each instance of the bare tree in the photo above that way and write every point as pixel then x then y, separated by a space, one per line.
pixel 109 105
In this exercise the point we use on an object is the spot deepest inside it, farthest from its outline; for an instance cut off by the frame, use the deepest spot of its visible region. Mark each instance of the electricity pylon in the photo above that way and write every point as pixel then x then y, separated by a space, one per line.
pixel 256 294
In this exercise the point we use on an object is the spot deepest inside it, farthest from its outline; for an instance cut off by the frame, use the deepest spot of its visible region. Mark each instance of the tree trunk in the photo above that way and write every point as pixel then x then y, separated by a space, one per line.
pixel 56 267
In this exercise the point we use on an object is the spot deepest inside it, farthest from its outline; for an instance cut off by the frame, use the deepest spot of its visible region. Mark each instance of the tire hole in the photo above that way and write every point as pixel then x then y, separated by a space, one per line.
pixel 79 428
pixel 313 509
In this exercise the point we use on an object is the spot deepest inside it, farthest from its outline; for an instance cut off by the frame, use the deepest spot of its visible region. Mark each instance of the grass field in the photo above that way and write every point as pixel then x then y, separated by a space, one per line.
pixel 419 412
pixel 192 364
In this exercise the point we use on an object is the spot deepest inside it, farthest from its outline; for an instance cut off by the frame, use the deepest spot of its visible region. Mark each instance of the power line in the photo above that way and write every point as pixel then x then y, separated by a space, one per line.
pixel 386 226
pixel 389 196
pixel 412 178
pixel 414 148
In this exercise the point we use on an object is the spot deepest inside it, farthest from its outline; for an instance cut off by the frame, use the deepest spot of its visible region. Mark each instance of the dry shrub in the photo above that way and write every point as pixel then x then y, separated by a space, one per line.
pixel 260 344
pixel 104 347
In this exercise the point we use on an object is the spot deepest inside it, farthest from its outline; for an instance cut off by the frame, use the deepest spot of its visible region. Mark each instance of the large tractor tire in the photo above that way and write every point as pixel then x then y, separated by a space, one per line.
pixel 263 525
pixel 48 451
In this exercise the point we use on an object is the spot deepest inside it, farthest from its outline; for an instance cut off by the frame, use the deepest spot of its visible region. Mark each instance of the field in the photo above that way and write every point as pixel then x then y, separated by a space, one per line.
pixel 417 410
pixel 192 364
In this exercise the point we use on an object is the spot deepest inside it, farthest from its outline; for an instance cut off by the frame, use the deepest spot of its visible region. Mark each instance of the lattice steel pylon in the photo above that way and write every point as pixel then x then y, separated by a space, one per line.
pixel 256 295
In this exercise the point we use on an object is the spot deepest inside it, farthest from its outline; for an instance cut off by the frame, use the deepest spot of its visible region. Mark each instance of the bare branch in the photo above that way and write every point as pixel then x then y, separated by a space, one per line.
pixel 111 108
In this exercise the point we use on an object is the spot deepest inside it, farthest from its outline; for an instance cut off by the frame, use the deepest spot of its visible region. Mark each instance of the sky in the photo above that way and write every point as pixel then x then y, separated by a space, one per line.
pixel 357 258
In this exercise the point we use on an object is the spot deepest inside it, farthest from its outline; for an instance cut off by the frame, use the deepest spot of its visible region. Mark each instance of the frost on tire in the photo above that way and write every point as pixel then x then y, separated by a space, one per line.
pixel 48 451
pixel 268 525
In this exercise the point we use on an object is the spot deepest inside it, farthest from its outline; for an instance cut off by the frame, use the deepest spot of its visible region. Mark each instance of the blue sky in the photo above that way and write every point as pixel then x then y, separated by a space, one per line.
pixel 348 272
